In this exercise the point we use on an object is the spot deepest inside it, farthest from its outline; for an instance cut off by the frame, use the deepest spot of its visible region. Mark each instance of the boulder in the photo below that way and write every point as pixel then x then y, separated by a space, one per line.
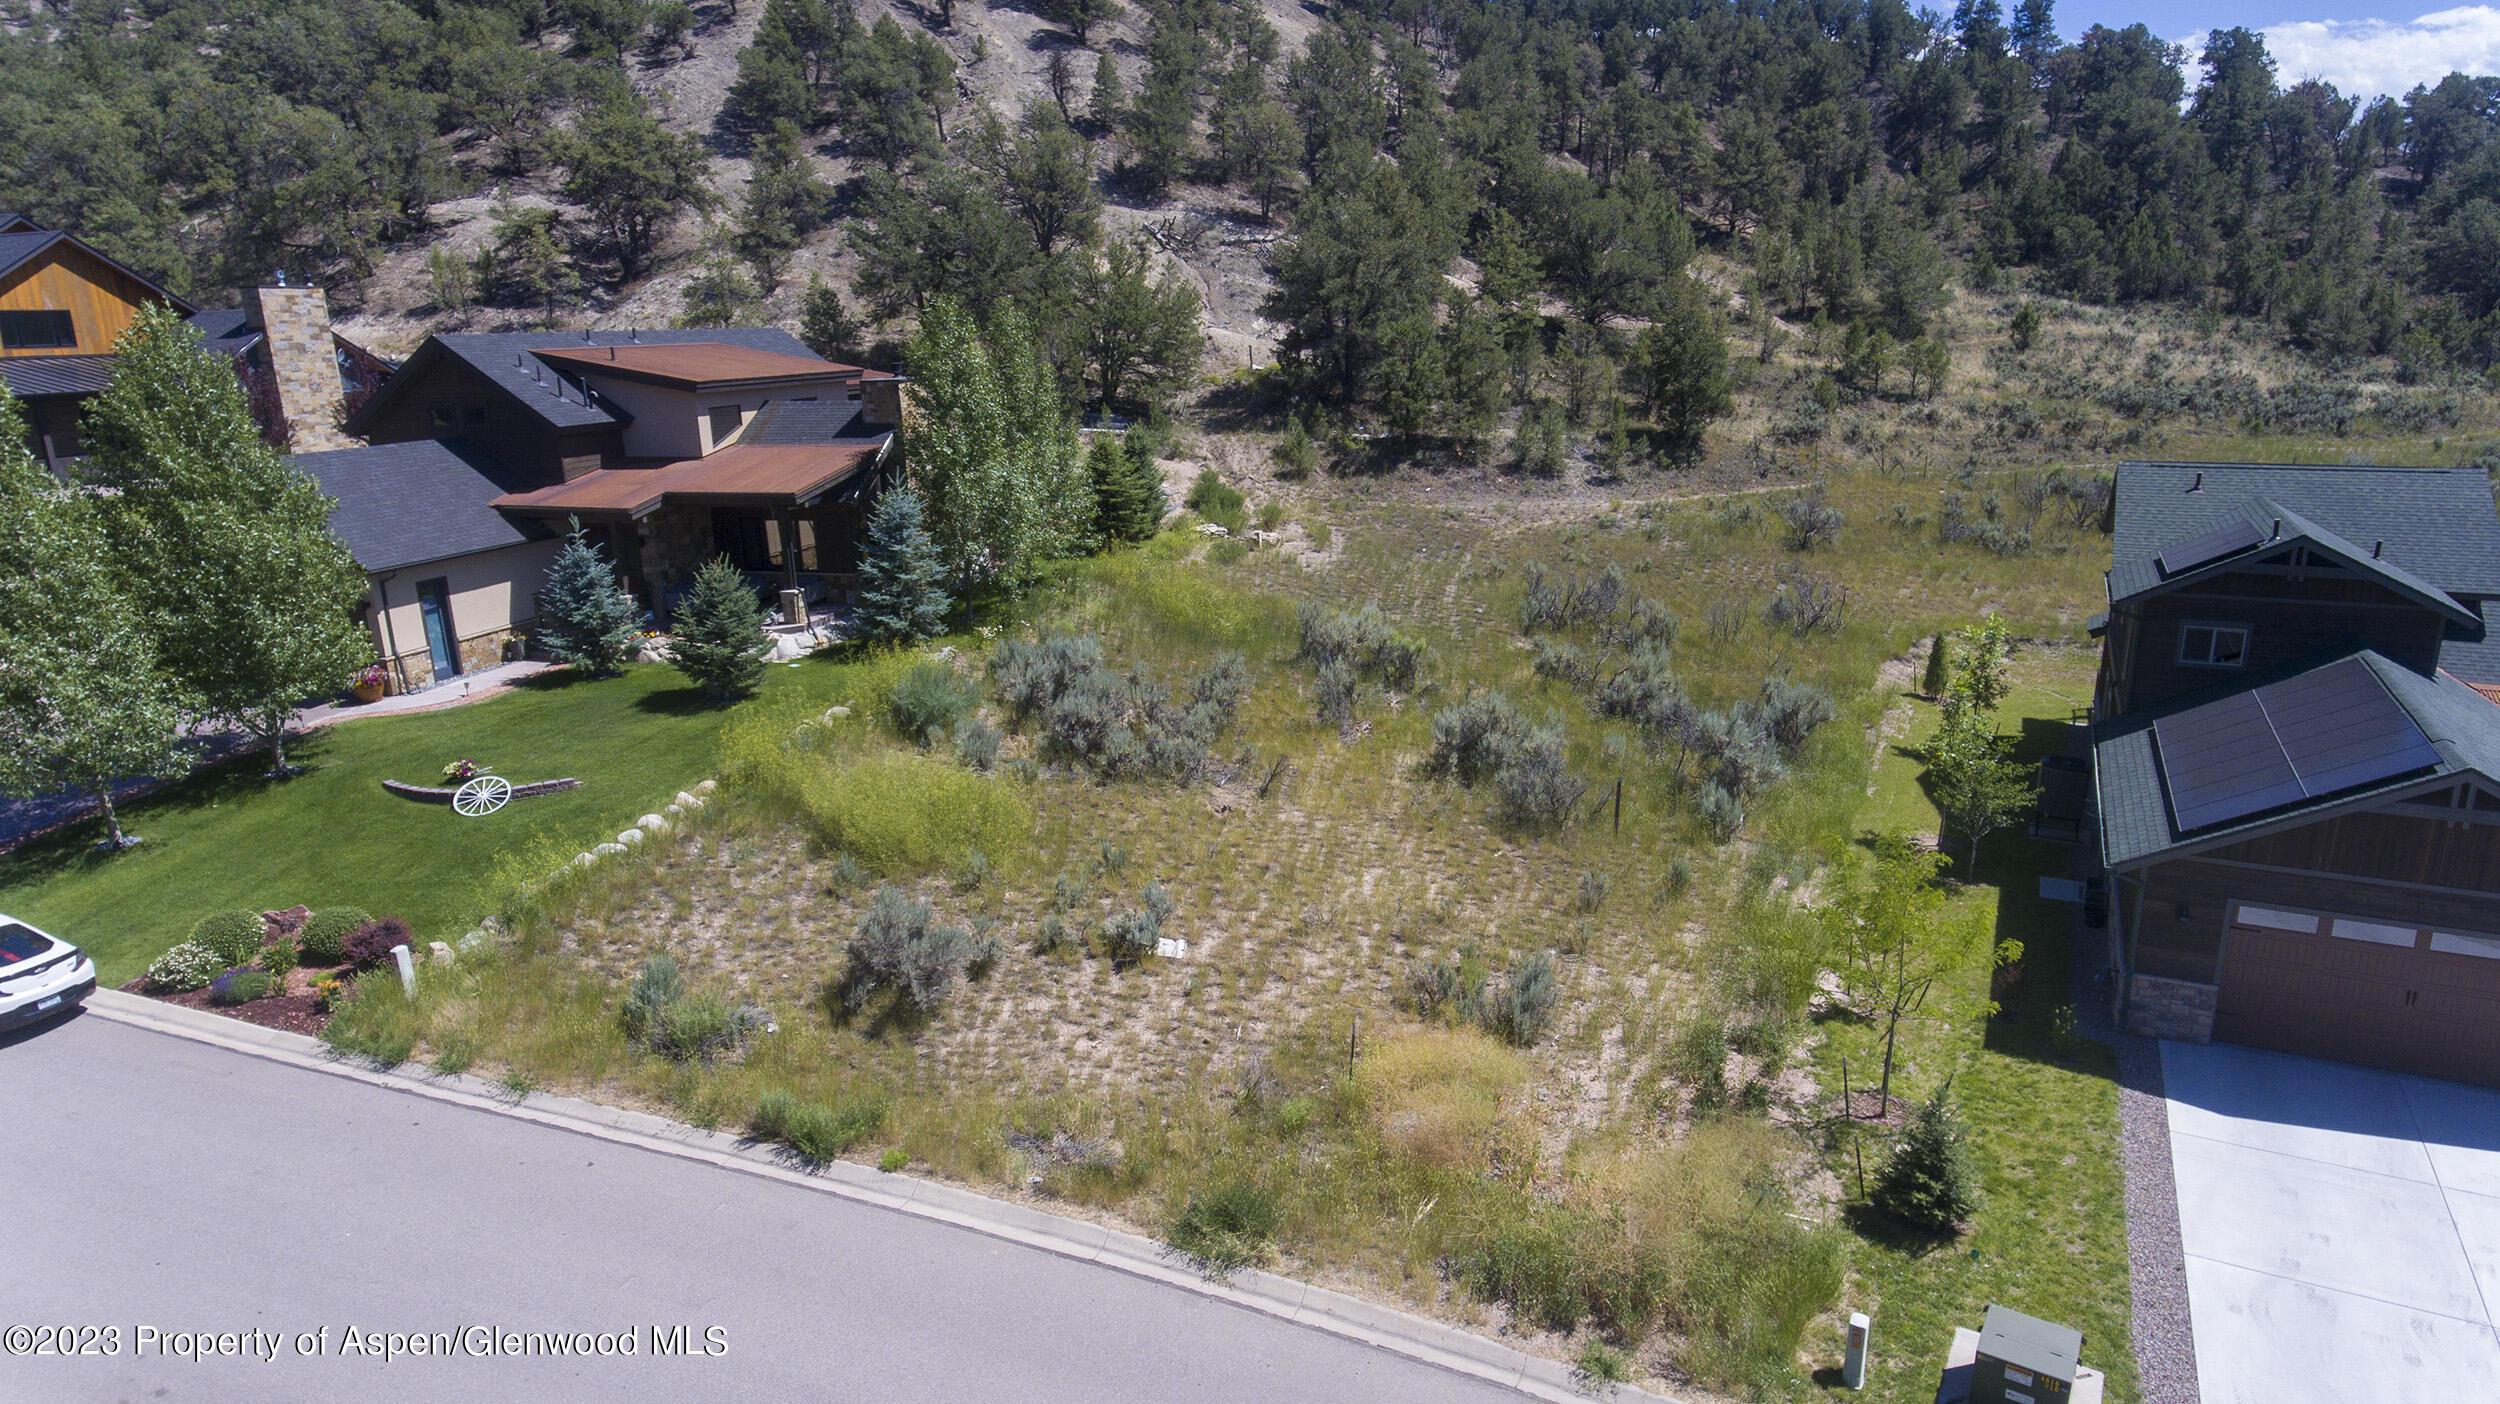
pixel 1172 947
pixel 688 801
pixel 673 812
pixel 651 822
pixel 584 860
pixel 707 787
pixel 606 849
pixel 438 953
pixel 630 836
pixel 472 941
pixel 286 923
pixel 788 648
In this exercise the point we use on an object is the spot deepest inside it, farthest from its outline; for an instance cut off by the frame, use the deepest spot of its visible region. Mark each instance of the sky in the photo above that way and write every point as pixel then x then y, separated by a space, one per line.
pixel 2363 47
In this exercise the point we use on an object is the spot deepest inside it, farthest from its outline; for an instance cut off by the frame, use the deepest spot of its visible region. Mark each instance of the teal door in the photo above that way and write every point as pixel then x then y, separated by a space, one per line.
pixel 434 602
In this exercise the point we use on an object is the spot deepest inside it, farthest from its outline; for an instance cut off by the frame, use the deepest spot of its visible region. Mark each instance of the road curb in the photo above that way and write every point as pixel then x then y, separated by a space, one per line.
pixel 1288 1299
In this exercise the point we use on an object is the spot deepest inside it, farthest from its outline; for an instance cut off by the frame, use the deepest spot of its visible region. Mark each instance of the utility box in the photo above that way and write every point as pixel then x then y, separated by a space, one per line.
pixel 2024 1360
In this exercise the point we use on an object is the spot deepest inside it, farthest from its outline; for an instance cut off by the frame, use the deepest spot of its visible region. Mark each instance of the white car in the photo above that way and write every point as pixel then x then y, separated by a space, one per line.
pixel 40 975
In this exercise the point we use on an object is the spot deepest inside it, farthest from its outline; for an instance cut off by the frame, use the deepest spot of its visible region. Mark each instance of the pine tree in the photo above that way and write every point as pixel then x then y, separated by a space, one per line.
pixel 1128 493
pixel 1681 362
pixel 586 618
pixel 1937 658
pixel 785 203
pixel 718 640
pixel 82 699
pixel 825 325
pixel 1931 1182
pixel 224 543
pixel 1103 106
pixel 902 597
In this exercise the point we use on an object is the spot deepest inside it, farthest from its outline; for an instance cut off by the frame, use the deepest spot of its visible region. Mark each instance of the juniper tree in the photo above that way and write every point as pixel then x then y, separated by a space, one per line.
pixel 82 699
pixel 224 544
pixel 718 641
pixel 585 617
pixel 902 595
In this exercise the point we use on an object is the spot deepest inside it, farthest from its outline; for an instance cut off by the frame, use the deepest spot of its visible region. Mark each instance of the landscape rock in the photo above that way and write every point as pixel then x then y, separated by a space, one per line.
pixel 1212 529
pixel 709 786
pixel 630 836
pixel 788 648
pixel 286 923
pixel 606 849
pixel 652 822
pixel 584 860
pixel 1172 947
pixel 688 801
pixel 674 811
pixel 438 952
pixel 472 941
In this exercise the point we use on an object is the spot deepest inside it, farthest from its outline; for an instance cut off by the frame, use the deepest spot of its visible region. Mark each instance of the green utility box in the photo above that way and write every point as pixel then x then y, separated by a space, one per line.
pixel 2024 1360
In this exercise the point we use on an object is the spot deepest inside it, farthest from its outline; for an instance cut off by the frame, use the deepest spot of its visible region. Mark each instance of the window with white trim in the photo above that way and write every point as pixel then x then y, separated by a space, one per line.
pixel 2459 943
pixel 2377 932
pixel 2274 919
pixel 2213 645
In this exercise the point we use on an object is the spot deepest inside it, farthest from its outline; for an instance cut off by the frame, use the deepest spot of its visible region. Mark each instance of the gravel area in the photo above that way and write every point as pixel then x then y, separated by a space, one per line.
pixel 2165 1341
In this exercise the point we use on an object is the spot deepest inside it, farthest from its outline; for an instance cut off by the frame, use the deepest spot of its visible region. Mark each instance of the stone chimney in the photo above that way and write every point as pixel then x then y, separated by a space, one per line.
pixel 881 401
pixel 294 324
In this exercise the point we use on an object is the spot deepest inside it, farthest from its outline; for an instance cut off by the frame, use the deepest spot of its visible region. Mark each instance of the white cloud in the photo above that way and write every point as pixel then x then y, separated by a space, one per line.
pixel 2364 58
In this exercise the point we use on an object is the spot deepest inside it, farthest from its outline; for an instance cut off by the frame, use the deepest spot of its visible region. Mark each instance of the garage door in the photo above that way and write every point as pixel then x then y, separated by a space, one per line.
pixel 2417 999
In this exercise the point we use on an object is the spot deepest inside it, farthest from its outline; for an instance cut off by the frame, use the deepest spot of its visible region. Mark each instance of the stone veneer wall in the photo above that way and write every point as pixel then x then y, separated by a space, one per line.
pixel 476 651
pixel 676 541
pixel 295 328
pixel 2174 1009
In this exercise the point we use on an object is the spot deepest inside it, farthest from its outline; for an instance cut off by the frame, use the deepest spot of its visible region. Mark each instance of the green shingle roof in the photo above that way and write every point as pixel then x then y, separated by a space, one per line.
pixel 2437 525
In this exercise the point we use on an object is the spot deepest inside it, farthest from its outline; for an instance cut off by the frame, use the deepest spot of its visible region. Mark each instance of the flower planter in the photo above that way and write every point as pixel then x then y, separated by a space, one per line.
pixel 367 692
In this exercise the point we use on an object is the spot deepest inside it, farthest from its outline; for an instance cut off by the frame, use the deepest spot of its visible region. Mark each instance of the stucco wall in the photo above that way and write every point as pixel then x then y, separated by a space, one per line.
pixel 492 593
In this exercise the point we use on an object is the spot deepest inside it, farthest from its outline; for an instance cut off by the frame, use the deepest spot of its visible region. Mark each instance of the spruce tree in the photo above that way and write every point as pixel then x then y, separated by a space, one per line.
pixel 1931 1182
pixel 718 640
pixel 586 618
pixel 902 597
pixel 82 700
pixel 223 543
pixel 1128 495
pixel 1932 683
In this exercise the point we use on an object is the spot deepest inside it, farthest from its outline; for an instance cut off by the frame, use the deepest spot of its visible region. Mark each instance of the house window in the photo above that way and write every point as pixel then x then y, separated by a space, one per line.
pixel 442 417
pixel 34 331
pixel 725 422
pixel 2213 645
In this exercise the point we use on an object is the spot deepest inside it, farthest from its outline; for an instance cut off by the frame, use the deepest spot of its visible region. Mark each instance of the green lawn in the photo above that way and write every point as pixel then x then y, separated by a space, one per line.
pixel 227 838
pixel 2041 1102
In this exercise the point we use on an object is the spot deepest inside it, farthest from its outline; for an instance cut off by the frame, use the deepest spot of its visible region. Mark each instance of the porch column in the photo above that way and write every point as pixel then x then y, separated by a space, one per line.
pixel 789 546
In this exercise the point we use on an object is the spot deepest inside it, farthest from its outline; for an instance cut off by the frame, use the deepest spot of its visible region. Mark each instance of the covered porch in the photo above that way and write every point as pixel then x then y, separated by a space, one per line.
pixel 790 516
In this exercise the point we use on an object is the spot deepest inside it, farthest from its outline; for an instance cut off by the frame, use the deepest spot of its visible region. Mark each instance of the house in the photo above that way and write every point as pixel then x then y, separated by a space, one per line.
pixel 670 448
pixel 2296 761
pixel 63 305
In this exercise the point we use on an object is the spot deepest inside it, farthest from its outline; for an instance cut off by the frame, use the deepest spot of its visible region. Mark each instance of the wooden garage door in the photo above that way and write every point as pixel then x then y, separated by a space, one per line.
pixel 2419 1000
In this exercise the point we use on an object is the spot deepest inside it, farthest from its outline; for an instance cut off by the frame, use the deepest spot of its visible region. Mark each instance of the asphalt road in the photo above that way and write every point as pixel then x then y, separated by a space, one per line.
pixel 154 1184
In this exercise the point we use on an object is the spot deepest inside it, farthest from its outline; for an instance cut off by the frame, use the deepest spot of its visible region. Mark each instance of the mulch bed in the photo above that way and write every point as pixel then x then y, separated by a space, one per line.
pixel 292 1011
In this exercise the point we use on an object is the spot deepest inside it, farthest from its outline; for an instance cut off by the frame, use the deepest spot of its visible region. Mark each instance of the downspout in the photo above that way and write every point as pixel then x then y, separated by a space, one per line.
pixel 2135 928
pixel 390 640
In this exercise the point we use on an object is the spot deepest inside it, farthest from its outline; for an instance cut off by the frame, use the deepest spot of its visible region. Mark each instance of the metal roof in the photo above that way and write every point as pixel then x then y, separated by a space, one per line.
pixel 507 361
pixel 694 365
pixel 774 474
pixel 40 377
pixel 2436 525
pixel 2458 726
pixel 2311 735
pixel 400 505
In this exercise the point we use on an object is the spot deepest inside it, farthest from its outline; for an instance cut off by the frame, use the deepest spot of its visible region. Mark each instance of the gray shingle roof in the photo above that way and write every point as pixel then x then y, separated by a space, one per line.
pixel 32 377
pixel 17 248
pixel 2438 523
pixel 406 504
pixel 808 422
pixel 2474 655
pixel 503 358
pixel 223 328
pixel 2136 819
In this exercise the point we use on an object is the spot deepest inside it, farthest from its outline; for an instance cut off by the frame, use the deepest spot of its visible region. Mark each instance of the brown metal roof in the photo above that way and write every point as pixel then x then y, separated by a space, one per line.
pixel 790 475
pixel 693 365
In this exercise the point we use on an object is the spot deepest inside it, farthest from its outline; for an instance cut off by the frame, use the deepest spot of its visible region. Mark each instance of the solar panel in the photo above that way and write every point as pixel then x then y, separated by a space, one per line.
pixel 2212 546
pixel 2326 730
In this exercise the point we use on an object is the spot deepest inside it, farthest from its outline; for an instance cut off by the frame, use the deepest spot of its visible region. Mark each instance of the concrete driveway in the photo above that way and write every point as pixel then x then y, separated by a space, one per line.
pixel 2341 1227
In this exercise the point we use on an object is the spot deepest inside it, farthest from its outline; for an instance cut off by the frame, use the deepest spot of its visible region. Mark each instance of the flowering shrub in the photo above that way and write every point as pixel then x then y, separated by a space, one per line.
pixel 185 967
pixel 463 769
pixel 240 986
pixel 326 990
pixel 370 944
pixel 373 675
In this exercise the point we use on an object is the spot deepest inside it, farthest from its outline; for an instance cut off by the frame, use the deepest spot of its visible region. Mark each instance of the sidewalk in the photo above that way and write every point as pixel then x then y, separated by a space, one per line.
pixel 23 819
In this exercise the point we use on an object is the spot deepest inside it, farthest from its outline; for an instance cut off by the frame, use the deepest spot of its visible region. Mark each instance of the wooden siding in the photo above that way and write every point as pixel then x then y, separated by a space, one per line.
pixel 2189 948
pixel 482 415
pixel 102 300
pixel 2390 847
pixel 2287 619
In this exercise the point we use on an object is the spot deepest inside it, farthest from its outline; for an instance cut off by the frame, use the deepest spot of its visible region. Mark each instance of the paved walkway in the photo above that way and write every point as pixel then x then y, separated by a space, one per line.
pixel 2342 1229
pixel 22 819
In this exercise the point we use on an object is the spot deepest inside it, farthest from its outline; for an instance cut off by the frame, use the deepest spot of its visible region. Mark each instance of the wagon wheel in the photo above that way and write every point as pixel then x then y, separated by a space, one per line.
pixel 484 795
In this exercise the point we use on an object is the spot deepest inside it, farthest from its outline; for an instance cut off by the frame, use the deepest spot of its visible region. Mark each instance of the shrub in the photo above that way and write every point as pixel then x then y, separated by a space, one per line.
pixel 931 698
pixel 1535 784
pixel 1210 498
pixel 1130 936
pixel 1363 640
pixel 1931 1182
pixel 1594 888
pixel 819 1133
pixel 1226 1229
pixel 323 941
pixel 1524 1006
pixel 1805 602
pixel 976 744
pixel 1651 623
pixel 1432 984
pixel 898 947
pixel 234 935
pixel 1565 661
pixel 1723 814
pixel 1469 740
pixel 1789 712
pixel 239 986
pixel 656 984
pixel 695 1026
pixel 1599 1368
pixel 186 967
pixel 1335 693
pixel 1119 725
pixel 1809 520
pixel 893 1159
pixel 278 958
pixel 899 812
pixel 771 1119
pixel 370 945
pixel 1438 1096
